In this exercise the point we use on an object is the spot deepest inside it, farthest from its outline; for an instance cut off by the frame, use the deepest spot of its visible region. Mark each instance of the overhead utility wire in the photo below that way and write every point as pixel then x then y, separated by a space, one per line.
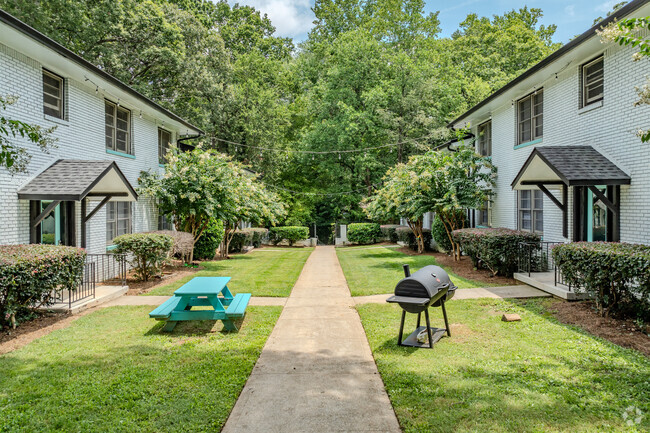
pixel 323 152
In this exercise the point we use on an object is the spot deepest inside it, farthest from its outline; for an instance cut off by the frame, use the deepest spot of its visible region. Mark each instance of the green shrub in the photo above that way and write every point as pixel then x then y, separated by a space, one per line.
pixel 206 247
pixel 145 252
pixel 389 232
pixel 406 235
pixel 364 233
pixel 440 234
pixel 31 274
pixel 292 234
pixel 182 243
pixel 495 248
pixel 259 234
pixel 615 275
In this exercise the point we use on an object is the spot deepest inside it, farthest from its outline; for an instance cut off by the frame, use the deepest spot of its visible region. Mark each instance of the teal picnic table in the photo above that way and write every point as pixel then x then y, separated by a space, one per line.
pixel 203 292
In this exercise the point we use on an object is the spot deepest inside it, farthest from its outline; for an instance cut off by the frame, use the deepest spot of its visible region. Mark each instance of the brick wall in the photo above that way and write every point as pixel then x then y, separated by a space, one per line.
pixel 610 129
pixel 80 136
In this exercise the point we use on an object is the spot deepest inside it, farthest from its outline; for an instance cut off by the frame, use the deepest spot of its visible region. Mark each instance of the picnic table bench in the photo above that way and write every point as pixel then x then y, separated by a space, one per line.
pixel 203 292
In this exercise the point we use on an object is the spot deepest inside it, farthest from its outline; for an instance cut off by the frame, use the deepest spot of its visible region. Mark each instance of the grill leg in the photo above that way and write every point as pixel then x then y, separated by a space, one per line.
pixel 426 316
pixel 419 316
pixel 401 329
pixel 444 313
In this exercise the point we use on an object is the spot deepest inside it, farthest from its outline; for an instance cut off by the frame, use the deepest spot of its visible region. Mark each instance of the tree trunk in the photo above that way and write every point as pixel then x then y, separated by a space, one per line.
pixel 449 228
pixel 416 227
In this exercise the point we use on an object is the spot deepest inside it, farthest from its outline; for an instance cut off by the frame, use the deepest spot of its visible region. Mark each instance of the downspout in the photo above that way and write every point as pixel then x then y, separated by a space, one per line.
pixel 191 137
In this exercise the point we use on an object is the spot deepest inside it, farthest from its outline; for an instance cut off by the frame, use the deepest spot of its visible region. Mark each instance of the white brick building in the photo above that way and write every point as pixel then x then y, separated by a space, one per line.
pixel 582 95
pixel 97 118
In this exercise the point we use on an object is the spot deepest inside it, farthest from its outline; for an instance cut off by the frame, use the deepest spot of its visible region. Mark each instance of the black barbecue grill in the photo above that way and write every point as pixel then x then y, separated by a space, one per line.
pixel 430 286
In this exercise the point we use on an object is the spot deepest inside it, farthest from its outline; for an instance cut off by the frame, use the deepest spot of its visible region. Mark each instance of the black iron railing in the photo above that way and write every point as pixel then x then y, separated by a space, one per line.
pixel 109 267
pixel 85 289
pixel 537 257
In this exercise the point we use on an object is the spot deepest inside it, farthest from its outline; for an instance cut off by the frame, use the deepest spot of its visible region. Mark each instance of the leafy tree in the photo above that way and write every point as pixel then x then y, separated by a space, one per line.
pixel 13 156
pixel 630 32
pixel 615 8
pixel 440 182
pixel 202 185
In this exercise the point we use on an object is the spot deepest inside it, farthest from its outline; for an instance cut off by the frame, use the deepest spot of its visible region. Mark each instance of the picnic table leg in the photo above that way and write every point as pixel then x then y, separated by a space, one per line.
pixel 169 326
pixel 228 325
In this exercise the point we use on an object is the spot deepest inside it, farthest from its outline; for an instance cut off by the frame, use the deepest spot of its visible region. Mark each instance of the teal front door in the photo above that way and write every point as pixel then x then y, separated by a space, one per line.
pixel 57 228
pixel 50 232
pixel 596 217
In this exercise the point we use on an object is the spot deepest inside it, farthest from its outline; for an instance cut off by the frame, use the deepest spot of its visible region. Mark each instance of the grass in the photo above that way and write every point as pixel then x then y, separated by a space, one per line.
pixel 375 271
pixel 268 272
pixel 113 371
pixel 536 375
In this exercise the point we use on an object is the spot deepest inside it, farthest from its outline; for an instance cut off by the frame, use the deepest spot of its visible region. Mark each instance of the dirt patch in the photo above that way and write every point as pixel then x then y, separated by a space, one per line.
pixel 464 268
pixel 170 274
pixel 622 332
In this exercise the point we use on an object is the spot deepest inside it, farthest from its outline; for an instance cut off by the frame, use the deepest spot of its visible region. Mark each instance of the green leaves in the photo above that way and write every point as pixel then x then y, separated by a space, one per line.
pixel 147 252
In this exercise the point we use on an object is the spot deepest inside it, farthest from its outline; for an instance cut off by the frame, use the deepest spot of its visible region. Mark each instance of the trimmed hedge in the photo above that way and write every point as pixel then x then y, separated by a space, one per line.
pixel 206 247
pixel 145 252
pixel 31 274
pixel 389 232
pixel 406 235
pixel 292 234
pixel 247 237
pixel 615 275
pixel 495 248
pixel 182 242
pixel 364 233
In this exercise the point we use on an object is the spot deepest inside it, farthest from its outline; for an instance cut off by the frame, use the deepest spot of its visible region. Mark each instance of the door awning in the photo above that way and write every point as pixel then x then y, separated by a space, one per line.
pixel 75 180
pixel 570 166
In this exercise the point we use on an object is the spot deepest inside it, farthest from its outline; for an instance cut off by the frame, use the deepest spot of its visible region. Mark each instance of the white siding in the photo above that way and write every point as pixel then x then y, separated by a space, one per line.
pixel 81 136
pixel 610 129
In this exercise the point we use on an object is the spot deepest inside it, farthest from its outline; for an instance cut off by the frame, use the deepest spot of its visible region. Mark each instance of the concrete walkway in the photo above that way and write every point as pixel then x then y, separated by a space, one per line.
pixel 316 372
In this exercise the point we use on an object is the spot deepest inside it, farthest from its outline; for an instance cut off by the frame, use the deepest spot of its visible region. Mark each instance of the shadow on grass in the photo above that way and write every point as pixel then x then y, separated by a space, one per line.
pixel 194 328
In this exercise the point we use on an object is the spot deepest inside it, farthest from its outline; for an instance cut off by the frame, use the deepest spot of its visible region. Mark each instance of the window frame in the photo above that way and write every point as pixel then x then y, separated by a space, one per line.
pixel 487 126
pixel 116 109
pixel 117 219
pixel 536 120
pixel 533 209
pixel 161 151
pixel 584 86
pixel 165 222
pixel 486 209
pixel 60 97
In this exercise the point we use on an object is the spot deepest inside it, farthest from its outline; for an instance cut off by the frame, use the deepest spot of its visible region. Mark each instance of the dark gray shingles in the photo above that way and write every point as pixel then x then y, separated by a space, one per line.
pixel 582 163
pixel 69 178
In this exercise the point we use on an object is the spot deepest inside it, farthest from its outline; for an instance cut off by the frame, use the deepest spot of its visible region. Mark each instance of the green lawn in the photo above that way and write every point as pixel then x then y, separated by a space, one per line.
pixel 374 271
pixel 113 371
pixel 269 272
pixel 536 375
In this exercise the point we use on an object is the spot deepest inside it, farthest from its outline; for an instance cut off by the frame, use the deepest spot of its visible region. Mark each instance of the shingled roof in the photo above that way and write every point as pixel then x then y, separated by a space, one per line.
pixel 572 165
pixel 69 179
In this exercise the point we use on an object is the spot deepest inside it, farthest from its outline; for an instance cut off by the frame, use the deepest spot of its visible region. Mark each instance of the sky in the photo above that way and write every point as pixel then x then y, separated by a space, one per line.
pixel 293 18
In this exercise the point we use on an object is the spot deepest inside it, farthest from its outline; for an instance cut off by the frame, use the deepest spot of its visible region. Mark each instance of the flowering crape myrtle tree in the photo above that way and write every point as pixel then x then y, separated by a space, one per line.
pixel 201 185
pixel 254 204
pixel 442 182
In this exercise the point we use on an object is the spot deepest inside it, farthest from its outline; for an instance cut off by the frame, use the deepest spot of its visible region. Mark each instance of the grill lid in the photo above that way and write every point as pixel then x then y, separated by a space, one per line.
pixel 424 283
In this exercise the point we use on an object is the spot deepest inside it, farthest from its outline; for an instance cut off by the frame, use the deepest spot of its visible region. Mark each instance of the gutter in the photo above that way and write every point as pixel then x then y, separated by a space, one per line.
pixel 625 10
pixel 448 144
pixel 15 23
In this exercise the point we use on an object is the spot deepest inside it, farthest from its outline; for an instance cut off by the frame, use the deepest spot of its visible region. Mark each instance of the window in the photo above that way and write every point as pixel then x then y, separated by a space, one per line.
pixel 592 81
pixel 484 214
pixel 52 94
pixel 485 139
pixel 118 127
pixel 118 219
pixel 165 222
pixel 530 118
pixel 164 140
pixel 531 211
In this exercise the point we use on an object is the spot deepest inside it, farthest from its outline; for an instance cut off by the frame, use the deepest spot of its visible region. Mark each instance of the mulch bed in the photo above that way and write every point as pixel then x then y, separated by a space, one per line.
pixel 43 320
pixel 170 274
pixel 465 269
pixel 625 333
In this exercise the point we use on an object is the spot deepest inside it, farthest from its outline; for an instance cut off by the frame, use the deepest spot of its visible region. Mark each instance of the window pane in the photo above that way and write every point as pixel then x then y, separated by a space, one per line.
pixel 122 227
pixel 539 126
pixel 539 200
pixel 124 210
pixel 525 220
pixel 524 199
pixel 539 221
pixel 110 211
pixel 51 81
